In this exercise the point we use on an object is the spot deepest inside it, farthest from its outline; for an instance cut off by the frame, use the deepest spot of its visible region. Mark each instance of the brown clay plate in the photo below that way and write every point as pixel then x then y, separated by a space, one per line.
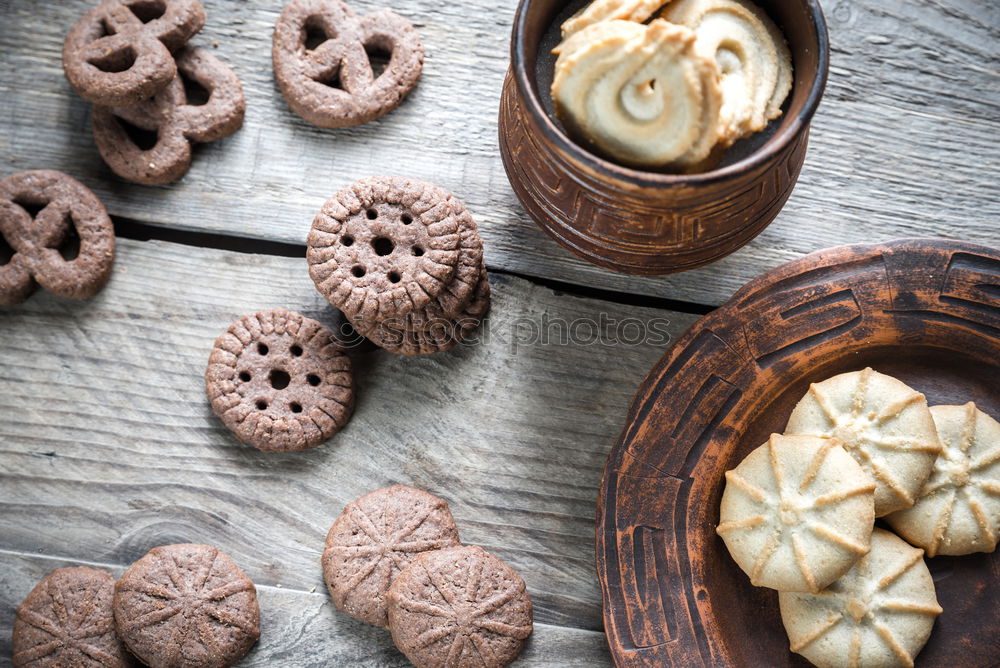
pixel 926 311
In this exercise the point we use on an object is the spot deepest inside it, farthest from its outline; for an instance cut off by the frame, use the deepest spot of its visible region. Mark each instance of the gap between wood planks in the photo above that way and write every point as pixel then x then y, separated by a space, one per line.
pixel 139 231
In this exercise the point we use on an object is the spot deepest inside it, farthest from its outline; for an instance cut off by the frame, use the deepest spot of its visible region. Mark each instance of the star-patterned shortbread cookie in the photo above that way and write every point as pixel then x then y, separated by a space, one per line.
pixel 797 513
pixel 187 606
pixel 958 511
pixel 374 539
pixel 879 614
pixel 67 620
pixel 882 423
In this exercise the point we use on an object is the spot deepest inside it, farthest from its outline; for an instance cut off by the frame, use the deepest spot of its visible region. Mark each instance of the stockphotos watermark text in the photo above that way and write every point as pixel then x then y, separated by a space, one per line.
pixel 544 330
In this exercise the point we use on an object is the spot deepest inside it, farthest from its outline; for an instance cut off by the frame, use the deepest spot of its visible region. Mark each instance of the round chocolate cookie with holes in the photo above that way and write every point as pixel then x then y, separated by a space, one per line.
pixel 280 381
pixel 384 247
pixel 430 329
pixel 374 539
pixel 459 607
pixel 187 606
pixel 67 620
pixel 327 62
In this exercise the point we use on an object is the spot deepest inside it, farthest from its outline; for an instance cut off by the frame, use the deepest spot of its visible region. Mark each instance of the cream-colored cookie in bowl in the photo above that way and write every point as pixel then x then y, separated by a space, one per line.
pixel 639 93
pixel 958 511
pixel 878 615
pixel 797 513
pixel 754 64
pixel 882 422
pixel 637 219
pixel 610 10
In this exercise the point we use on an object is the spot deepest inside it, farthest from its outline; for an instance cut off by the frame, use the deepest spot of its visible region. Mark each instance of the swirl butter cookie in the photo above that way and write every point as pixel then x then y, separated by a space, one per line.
pixel 610 10
pixel 797 513
pixel 280 381
pixel 884 424
pixel 172 121
pixel 119 53
pixel 640 94
pixel 68 620
pixel 44 214
pixel 187 606
pixel 459 607
pixel 374 539
pixel 879 614
pixel 755 66
pixel 958 510
pixel 332 83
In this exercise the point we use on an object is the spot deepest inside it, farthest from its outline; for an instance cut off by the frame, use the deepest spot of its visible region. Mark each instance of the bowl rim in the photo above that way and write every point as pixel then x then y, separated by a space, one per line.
pixel 777 143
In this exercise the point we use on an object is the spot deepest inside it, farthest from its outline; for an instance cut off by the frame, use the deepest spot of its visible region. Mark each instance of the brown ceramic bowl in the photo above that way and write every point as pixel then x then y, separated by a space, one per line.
pixel 645 222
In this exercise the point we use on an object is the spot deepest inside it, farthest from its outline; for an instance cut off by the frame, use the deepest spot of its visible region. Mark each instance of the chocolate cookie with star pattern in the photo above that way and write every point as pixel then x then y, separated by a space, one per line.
pixel 374 539
pixel 459 607
pixel 187 606
pixel 67 620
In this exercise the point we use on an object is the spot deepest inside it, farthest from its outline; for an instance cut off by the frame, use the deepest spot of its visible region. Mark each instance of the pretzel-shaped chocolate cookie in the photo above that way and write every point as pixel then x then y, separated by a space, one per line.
pixel 175 121
pixel 119 52
pixel 63 204
pixel 333 85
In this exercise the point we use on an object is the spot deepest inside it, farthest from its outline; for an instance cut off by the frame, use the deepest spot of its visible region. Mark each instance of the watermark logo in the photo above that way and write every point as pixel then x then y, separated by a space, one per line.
pixel 515 334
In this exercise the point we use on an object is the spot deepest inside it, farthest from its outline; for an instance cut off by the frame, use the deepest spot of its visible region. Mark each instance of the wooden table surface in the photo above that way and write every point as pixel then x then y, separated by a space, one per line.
pixel 108 446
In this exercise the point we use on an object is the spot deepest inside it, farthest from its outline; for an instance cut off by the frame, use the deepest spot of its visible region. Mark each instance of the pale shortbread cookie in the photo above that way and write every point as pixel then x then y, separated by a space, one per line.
pixel 958 511
pixel 755 66
pixel 879 614
pixel 639 93
pixel 610 10
pixel 797 513
pixel 882 422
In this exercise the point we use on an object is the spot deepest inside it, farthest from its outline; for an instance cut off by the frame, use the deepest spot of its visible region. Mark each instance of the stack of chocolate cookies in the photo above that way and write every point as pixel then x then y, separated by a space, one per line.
pixel 153 94
pixel 402 259
pixel 393 559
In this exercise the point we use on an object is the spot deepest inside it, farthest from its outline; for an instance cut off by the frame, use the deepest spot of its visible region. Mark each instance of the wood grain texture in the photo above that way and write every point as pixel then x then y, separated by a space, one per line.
pixel 924 311
pixel 302 629
pixel 903 143
pixel 108 445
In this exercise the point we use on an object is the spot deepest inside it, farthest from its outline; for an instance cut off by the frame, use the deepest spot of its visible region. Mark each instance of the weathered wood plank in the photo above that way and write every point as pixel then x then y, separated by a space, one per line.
pixel 108 445
pixel 904 143
pixel 302 628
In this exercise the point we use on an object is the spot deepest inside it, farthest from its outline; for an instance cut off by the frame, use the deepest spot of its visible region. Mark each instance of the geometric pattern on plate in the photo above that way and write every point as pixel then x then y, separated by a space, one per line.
pixel 883 423
pixel 797 513
pixel 879 614
pixel 958 511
